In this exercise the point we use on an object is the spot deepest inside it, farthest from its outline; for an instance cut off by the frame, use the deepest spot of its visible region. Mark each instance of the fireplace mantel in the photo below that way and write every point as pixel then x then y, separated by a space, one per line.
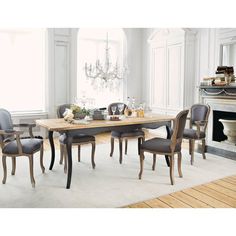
pixel 226 91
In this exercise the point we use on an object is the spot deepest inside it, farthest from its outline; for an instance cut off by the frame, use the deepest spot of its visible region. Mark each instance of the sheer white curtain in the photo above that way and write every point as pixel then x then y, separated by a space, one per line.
pixel 22 69
pixel 91 47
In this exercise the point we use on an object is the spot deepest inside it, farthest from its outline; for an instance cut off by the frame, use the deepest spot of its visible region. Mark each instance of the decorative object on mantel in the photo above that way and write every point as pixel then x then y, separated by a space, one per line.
pixel 224 76
pixel 229 130
pixel 106 75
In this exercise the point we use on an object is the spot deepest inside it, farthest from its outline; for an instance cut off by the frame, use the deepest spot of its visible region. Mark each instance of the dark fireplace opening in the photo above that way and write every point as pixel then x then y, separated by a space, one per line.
pixel 217 134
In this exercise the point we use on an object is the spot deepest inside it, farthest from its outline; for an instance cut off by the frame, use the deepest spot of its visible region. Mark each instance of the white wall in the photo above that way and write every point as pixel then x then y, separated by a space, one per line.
pixel 134 60
pixel 206 56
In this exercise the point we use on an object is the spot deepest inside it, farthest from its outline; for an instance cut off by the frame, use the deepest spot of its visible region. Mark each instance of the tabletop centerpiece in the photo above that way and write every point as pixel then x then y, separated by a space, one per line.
pixel 78 112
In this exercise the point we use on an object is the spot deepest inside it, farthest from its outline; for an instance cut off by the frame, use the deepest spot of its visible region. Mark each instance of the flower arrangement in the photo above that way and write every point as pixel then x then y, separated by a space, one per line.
pixel 79 113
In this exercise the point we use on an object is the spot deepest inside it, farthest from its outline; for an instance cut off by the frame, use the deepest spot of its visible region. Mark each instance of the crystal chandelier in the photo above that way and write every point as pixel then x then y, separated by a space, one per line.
pixel 106 75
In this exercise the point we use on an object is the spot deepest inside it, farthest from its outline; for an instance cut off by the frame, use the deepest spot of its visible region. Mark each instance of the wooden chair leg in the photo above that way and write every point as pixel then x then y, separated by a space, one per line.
pixel 93 154
pixel 65 159
pixel 192 151
pixel 179 164
pixel 120 149
pixel 78 153
pixel 13 165
pixel 126 146
pixel 154 162
pixel 141 157
pixel 172 169
pixel 4 164
pixel 31 166
pixel 203 148
pixel 61 154
pixel 112 146
pixel 41 159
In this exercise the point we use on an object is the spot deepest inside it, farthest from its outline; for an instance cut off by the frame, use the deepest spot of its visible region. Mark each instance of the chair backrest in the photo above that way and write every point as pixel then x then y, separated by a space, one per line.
pixel 116 104
pixel 61 109
pixel 199 112
pixel 5 122
pixel 178 129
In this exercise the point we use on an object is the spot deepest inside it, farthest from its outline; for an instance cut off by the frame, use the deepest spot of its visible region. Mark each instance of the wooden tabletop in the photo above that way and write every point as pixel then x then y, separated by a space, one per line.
pixel 61 124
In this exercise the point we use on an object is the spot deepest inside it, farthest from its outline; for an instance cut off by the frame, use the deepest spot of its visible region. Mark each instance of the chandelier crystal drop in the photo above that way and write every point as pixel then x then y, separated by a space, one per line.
pixel 106 75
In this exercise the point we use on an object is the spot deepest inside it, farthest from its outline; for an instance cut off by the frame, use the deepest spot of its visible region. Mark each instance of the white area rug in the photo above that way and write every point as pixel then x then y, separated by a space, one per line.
pixel 110 184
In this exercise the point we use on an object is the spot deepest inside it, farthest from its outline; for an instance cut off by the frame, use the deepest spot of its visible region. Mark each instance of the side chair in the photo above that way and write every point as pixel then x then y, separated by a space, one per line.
pixel 124 133
pixel 169 147
pixel 78 140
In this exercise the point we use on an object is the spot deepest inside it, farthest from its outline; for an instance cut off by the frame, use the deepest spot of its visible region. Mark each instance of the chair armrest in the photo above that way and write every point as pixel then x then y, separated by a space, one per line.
pixel 30 126
pixel 11 132
pixel 14 133
pixel 24 125
pixel 199 124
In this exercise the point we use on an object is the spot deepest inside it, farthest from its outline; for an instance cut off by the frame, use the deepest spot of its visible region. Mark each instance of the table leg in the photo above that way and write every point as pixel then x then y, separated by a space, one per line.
pixel 69 159
pixel 168 137
pixel 50 137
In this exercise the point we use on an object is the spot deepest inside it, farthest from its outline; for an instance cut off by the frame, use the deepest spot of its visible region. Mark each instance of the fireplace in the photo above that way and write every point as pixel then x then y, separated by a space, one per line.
pixel 217 130
pixel 222 102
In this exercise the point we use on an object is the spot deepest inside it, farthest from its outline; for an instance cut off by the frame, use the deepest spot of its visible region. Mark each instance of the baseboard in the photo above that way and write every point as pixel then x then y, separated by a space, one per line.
pixel 219 152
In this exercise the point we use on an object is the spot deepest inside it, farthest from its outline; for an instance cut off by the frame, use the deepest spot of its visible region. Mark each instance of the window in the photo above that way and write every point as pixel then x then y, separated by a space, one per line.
pixel 22 69
pixel 91 47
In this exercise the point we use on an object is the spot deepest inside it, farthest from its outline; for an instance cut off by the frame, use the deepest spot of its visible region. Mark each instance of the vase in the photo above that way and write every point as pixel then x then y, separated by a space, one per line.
pixel 229 130
pixel 228 79
pixel 79 116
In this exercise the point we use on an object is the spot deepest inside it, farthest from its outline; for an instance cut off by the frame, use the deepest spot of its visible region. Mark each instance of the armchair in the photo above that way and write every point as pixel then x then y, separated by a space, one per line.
pixel 198 118
pixel 13 145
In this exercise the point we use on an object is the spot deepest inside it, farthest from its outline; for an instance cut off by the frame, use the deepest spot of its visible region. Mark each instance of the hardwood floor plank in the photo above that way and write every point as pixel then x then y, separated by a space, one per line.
pixel 156 203
pixel 205 198
pixel 222 189
pixel 139 205
pixel 219 196
pixel 226 184
pixel 173 202
pixel 233 177
pixel 193 202
pixel 230 180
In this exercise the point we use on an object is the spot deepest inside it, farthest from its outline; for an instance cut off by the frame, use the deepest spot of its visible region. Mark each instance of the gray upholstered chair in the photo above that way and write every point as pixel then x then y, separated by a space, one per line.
pixel 168 147
pixel 197 128
pixel 13 145
pixel 124 133
pixel 78 140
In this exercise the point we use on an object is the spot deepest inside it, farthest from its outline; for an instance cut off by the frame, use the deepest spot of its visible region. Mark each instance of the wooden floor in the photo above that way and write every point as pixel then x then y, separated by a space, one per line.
pixel 217 194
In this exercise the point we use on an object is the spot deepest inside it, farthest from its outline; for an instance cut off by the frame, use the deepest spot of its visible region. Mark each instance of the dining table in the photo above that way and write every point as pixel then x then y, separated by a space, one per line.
pixel 150 121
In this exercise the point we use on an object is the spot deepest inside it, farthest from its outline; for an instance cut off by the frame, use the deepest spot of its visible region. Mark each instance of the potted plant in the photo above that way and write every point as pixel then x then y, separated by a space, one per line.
pixel 79 113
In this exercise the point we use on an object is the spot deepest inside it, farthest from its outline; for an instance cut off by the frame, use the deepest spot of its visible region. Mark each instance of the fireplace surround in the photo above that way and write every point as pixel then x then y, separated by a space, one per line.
pixel 223 106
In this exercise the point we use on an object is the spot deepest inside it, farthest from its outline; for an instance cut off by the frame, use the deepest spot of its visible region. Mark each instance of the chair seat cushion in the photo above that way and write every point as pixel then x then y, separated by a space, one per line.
pixel 80 138
pixel 129 133
pixel 29 146
pixel 192 134
pixel 159 145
